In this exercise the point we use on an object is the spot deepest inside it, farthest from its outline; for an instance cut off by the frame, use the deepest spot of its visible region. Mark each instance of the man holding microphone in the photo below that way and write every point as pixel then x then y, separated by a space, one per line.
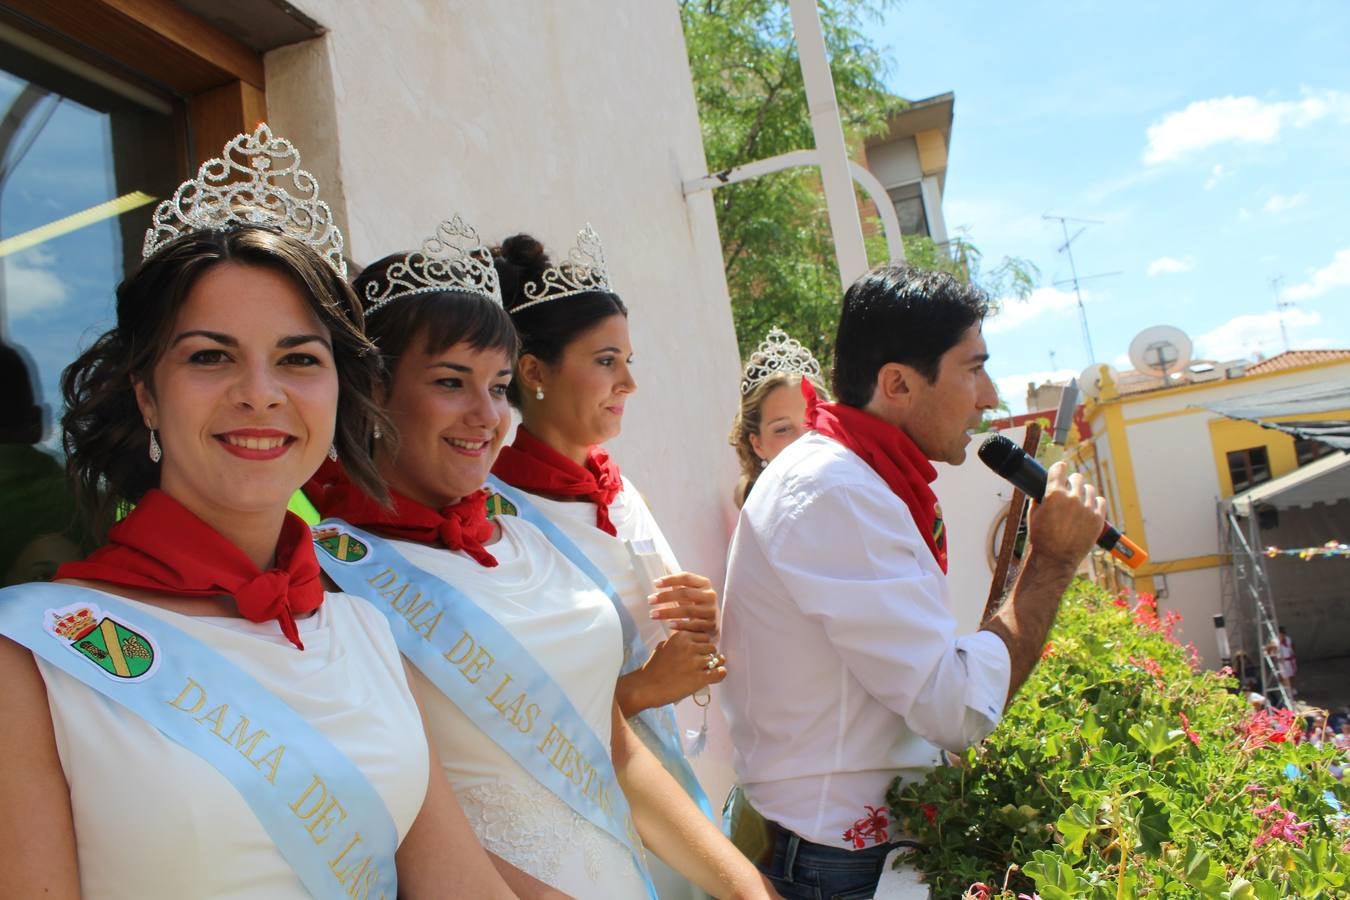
pixel 848 670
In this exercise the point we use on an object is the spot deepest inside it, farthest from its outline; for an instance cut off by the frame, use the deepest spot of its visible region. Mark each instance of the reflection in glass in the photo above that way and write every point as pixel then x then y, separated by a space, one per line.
pixel 81 165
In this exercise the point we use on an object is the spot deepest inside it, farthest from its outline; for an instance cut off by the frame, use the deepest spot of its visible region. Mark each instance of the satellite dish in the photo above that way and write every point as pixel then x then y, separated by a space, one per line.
pixel 1161 350
pixel 1090 380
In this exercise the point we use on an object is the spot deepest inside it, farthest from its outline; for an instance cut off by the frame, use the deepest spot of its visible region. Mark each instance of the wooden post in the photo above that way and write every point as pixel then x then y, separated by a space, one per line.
pixel 1016 509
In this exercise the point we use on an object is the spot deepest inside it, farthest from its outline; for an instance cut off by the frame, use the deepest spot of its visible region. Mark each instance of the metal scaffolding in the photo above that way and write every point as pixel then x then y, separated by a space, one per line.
pixel 1248 604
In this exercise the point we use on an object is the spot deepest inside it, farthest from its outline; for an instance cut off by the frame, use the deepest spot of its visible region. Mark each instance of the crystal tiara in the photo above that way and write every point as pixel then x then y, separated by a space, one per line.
pixel 246 185
pixel 584 271
pixel 778 354
pixel 453 259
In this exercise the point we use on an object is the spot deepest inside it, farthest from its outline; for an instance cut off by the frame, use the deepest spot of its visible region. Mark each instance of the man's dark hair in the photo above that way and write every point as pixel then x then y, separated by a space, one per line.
pixel 900 314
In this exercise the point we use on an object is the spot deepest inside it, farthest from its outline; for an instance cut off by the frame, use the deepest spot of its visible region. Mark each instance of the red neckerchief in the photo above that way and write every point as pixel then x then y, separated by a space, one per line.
pixel 536 468
pixel 892 455
pixel 459 526
pixel 161 546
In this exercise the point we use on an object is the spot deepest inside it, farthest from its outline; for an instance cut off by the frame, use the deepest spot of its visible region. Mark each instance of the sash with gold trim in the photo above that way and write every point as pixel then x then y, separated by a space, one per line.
pixel 325 817
pixel 494 680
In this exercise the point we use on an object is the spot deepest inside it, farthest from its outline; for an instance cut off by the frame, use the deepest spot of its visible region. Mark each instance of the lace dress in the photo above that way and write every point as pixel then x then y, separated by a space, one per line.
pixel 634 522
pixel 573 632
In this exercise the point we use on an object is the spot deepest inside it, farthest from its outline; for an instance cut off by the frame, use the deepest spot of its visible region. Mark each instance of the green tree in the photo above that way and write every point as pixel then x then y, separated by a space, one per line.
pixel 776 242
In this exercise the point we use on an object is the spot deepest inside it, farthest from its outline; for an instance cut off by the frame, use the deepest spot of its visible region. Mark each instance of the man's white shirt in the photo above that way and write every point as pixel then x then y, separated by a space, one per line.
pixel 844 666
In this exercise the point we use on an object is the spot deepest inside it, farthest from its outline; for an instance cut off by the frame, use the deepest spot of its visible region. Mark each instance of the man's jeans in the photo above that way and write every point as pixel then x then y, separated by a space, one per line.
pixel 801 870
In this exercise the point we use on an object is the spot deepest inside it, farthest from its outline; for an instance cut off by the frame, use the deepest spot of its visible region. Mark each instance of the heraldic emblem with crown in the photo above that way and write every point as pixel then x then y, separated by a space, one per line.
pixel 114 646
pixel 497 505
pixel 338 544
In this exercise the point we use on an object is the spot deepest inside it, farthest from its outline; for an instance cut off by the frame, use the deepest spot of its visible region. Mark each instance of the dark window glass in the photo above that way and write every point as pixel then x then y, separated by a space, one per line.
pixel 908 200
pixel 1307 450
pixel 83 159
pixel 1248 468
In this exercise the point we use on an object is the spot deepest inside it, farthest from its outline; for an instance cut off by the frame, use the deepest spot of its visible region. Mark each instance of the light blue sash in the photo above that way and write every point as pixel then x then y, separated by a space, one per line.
pixel 324 816
pixel 475 661
pixel 659 720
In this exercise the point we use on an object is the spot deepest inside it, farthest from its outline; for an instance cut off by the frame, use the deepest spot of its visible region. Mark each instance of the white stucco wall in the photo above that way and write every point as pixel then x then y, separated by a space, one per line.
pixel 1178 487
pixel 540 118
pixel 972 498
pixel 536 117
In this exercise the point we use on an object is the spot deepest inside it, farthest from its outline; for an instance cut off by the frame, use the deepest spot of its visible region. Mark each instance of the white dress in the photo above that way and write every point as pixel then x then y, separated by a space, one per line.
pixel 155 820
pixel 634 522
pixel 571 629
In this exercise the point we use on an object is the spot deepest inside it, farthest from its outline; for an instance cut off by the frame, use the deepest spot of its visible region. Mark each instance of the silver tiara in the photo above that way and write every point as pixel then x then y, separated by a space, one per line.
pixel 584 271
pixel 244 186
pixel 453 259
pixel 778 354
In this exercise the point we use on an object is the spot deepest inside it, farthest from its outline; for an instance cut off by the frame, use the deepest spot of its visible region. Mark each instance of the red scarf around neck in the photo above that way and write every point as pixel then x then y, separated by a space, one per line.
pixel 536 468
pixel 161 546
pixel 459 526
pixel 892 454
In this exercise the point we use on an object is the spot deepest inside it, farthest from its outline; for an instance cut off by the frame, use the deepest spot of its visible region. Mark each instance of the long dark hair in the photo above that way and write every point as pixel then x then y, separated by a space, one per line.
pixel 106 441
pixel 546 328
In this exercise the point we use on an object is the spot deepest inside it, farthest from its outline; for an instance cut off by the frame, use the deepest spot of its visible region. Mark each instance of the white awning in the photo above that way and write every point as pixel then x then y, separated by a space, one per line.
pixel 1326 480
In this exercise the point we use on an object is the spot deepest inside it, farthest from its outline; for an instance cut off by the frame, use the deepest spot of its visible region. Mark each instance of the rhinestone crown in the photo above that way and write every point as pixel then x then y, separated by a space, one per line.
pixel 246 185
pixel 778 354
pixel 584 271
pixel 453 259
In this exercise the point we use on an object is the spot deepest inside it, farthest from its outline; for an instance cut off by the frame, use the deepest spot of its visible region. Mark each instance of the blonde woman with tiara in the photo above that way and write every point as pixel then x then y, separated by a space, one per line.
pixel 773 410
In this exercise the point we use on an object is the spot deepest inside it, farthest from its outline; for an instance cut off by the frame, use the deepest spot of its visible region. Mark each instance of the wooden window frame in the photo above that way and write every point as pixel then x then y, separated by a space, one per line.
pixel 1244 457
pixel 221 79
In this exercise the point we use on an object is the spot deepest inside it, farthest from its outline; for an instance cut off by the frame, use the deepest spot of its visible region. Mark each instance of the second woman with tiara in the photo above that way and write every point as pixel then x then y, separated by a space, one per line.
pixel 516 649
pixel 773 409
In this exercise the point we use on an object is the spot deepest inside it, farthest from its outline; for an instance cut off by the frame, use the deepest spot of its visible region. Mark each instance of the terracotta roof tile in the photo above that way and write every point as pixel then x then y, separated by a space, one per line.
pixel 1294 359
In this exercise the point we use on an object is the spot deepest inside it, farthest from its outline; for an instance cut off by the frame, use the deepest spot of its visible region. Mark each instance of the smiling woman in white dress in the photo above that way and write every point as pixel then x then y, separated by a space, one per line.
pixel 518 647
pixel 189 713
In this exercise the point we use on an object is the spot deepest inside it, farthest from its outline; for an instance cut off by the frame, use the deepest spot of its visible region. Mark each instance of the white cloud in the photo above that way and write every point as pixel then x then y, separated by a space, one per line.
pixel 1335 274
pixel 1043 301
pixel 30 287
pixel 1012 389
pixel 1278 203
pixel 1249 120
pixel 1217 174
pixel 1247 335
pixel 1166 265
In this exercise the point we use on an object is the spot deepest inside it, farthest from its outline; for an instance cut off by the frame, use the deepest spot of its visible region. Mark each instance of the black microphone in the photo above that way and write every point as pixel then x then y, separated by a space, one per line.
pixel 1013 463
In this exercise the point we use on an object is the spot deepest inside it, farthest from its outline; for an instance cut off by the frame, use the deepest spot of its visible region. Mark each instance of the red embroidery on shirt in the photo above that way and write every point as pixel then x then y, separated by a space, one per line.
pixel 873 825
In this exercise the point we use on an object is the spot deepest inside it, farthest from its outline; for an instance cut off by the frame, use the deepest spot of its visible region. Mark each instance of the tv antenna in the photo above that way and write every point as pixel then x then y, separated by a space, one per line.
pixel 1067 249
pixel 1280 307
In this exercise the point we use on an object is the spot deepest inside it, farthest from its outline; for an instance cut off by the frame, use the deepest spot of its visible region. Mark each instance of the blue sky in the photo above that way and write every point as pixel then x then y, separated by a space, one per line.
pixel 1211 140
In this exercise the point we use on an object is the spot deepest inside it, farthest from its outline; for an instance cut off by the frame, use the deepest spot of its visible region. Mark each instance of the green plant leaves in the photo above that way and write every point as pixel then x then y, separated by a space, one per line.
pixel 1092 788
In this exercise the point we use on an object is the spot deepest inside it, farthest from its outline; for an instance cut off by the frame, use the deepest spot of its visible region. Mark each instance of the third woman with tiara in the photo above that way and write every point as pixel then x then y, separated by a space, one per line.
pixel 516 650
pixel 773 409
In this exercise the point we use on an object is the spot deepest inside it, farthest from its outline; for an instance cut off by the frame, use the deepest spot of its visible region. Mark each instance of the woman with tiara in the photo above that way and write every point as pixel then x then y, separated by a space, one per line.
pixel 516 650
pixel 187 712
pixel 573 380
pixel 773 409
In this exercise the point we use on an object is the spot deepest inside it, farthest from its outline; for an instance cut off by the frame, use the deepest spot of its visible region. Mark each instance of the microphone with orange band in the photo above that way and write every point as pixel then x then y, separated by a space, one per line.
pixel 1028 476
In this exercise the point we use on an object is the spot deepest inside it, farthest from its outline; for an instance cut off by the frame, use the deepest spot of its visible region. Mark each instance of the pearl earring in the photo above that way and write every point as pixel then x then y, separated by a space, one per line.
pixel 539 392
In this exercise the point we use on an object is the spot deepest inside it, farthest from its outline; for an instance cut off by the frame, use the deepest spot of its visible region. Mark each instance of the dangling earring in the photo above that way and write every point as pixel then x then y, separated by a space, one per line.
pixel 539 392
pixel 763 463
pixel 378 433
pixel 332 452
pixel 156 454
